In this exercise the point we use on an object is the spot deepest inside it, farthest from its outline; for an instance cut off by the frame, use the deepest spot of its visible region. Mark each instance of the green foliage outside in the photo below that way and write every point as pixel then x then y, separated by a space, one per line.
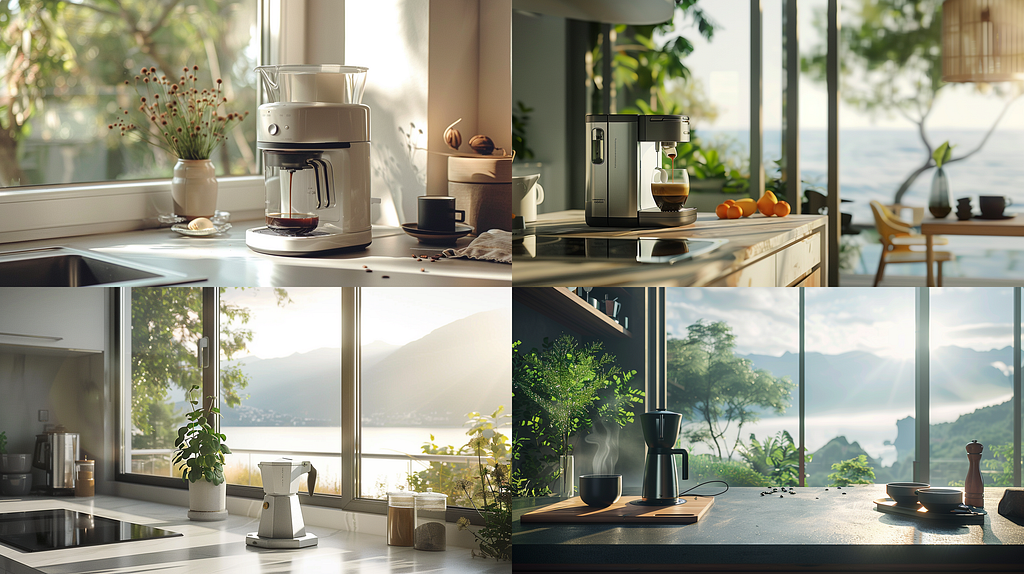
pixel 1001 461
pixel 776 457
pixel 705 467
pixel 199 450
pixel 465 484
pixel 72 59
pixel 851 471
pixel 521 119
pixel 558 392
pixel 3 442
pixel 715 389
pixel 891 65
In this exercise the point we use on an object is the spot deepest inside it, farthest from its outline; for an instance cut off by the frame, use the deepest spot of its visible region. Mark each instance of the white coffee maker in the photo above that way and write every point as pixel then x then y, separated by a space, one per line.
pixel 315 138
pixel 281 524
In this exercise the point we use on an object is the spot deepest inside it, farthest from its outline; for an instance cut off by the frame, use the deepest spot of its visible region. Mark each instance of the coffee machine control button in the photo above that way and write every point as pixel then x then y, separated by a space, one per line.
pixel 273 129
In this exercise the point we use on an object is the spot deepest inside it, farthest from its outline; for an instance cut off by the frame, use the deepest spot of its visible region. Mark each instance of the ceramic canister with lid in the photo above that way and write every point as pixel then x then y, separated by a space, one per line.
pixel 430 527
pixel 85 481
pixel 401 518
pixel 482 187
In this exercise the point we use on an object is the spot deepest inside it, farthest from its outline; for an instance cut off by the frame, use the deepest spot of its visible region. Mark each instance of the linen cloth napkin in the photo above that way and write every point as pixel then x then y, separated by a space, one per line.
pixel 494 245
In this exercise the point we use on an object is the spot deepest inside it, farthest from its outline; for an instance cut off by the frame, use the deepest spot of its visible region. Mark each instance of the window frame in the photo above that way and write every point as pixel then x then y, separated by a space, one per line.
pixel 657 387
pixel 64 210
pixel 351 454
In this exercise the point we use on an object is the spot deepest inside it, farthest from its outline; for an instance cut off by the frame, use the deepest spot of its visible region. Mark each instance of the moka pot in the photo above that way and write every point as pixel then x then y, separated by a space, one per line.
pixel 661 487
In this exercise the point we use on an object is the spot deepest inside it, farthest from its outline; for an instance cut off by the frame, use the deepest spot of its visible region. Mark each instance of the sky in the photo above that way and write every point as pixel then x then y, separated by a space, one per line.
pixel 724 68
pixel 874 320
pixel 394 315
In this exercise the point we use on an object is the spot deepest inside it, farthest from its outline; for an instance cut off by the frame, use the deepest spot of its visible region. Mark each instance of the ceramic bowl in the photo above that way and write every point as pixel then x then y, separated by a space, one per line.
pixel 940 499
pixel 905 493
pixel 15 463
pixel 600 490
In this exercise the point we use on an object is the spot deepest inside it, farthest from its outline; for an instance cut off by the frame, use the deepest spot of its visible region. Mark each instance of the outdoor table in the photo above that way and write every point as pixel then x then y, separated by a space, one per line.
pixel 1013 227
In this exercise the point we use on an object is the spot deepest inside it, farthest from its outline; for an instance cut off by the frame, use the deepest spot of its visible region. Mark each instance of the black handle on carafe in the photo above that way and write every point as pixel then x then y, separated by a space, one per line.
pixel 679 451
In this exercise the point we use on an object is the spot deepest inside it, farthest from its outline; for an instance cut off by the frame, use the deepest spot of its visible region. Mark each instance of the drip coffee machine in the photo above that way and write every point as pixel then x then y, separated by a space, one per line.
pixel 627 185
pixel 281 524
pixel 315 137
pixel 661 428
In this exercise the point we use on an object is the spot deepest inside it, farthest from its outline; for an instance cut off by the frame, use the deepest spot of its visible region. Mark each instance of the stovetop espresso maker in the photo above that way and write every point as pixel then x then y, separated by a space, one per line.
pixel 661 429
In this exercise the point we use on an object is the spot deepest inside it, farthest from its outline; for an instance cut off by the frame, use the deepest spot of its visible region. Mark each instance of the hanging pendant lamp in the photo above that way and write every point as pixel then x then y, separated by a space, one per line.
pixel 982 40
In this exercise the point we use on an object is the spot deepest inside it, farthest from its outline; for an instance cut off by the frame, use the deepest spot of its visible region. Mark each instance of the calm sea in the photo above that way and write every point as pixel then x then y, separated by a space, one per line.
pixel 377 474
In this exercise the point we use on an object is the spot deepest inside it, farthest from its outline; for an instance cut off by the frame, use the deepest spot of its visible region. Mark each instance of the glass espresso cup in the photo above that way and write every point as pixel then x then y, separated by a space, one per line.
pixel 670 188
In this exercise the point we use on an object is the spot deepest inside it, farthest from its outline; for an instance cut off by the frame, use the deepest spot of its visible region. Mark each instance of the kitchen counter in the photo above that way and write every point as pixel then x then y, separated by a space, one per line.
pixel 813 530
pixel 220 547
pixel 759 252
pixel 224 260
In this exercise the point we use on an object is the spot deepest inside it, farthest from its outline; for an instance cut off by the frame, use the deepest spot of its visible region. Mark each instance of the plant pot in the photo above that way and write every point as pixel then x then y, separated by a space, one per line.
pixel 194 188
pixel 15 463
pixel 940 202
pixel 206 502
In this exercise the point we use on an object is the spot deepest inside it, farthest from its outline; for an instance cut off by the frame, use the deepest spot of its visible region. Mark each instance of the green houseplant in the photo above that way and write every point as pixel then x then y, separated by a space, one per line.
pixel 199 453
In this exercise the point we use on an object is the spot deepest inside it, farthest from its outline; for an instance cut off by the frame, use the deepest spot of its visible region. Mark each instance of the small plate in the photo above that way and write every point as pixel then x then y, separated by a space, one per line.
pixel 996 217
pixel 183 229
pixel 437 237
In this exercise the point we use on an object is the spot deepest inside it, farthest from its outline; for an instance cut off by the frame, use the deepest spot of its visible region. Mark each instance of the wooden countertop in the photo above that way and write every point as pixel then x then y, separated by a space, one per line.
pixel 749 239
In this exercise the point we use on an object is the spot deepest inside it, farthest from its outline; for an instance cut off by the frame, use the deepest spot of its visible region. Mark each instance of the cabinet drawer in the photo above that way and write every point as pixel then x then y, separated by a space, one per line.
pixel 798 259
pixel 759 274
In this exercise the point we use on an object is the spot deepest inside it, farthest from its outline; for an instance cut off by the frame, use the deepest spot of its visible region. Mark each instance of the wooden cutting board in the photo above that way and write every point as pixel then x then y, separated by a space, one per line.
pixel 574 510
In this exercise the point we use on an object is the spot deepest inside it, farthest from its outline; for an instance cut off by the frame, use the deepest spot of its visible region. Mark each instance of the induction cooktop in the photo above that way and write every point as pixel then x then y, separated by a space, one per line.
pixel 638 250
pixel 38 530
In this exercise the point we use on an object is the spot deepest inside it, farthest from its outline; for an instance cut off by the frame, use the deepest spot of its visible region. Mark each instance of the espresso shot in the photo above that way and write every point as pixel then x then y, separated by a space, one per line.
pixel 292 223
pixel 670 196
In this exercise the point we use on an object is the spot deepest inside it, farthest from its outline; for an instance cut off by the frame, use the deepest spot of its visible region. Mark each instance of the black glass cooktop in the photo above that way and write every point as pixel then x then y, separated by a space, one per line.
pixel 639 250
pixel 39 530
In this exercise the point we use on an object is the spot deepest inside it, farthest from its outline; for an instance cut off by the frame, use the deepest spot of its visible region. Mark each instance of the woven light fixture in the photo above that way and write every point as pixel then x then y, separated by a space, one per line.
pixel 982 40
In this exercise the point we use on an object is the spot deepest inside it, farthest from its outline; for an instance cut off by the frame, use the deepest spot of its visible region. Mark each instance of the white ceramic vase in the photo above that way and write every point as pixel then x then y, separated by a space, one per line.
pixel 194 188
pixel 207 502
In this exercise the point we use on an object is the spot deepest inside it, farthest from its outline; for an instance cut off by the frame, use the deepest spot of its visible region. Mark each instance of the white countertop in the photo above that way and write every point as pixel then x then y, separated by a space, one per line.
pixel 220 547
pixel 224 260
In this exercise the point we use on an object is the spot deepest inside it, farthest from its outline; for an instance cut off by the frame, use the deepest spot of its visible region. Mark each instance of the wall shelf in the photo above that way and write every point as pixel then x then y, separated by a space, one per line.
pixel 565 307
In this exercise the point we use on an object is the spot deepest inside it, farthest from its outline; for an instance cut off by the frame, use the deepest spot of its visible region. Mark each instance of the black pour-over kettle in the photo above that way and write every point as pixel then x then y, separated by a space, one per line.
pixel 661 429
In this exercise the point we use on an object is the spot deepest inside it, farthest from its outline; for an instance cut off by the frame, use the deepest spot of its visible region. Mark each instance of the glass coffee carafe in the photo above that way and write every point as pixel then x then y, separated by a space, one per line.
pixel 299 185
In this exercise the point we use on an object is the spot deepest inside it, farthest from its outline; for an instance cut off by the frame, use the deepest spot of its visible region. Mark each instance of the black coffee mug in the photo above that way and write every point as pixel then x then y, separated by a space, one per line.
pixel 600 490
pixel 437 213
pixel 993 205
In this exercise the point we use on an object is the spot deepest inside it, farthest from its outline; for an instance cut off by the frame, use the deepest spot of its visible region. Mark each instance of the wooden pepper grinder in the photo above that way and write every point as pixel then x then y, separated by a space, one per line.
pixel 974 489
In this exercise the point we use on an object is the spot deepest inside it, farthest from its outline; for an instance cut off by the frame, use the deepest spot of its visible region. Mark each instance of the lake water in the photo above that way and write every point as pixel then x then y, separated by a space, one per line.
pixel 377 475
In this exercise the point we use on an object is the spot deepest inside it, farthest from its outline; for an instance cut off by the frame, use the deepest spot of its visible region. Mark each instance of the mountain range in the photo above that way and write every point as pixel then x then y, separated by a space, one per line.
pixel 402 385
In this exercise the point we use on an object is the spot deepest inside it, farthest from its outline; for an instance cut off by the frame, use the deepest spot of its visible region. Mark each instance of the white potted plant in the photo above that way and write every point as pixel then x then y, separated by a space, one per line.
pixel 200 451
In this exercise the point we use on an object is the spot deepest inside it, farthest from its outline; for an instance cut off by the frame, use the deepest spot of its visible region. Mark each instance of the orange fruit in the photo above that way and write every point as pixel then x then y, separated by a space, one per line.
pixel 721 210
pixel 730 202
pixel 782 209
pixel 734 212
pixel 766 205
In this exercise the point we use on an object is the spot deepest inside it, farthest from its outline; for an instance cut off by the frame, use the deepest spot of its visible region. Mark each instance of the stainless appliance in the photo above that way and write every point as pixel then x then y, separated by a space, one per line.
pixel 315 139
pixel 661 428
pixel 623 153
pixel 281 524
pixel 38 530
pixel 55 455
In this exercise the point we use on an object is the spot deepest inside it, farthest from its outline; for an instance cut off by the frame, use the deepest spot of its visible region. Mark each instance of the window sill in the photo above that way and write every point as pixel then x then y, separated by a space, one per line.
pixel 87 209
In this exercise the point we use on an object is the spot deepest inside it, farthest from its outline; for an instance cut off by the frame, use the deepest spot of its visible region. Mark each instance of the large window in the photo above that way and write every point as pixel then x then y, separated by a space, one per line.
pixel 735 360
pixel 64 74
pixel 434 382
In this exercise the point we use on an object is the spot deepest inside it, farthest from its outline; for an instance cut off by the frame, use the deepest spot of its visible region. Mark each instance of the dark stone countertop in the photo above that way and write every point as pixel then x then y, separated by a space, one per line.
pixel 812 530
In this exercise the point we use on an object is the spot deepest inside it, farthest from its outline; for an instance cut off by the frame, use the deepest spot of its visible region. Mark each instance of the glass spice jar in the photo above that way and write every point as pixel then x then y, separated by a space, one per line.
pixel 430 533
pixel 85 482
pixel 401 518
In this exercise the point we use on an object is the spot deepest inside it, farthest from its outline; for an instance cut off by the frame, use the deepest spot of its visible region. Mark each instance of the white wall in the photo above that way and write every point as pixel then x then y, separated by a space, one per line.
pixel 538 71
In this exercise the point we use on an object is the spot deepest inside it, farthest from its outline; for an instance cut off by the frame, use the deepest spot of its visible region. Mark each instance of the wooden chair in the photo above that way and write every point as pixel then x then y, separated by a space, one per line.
pixel 897 239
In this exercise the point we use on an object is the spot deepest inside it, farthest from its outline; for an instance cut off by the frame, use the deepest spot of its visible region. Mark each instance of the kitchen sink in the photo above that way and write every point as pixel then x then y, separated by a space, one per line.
pixel 66 267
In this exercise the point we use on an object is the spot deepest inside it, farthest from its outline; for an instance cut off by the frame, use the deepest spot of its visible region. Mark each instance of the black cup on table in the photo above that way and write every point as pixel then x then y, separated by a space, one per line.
pixel 600 490
pixel 437 213
pixel 993 205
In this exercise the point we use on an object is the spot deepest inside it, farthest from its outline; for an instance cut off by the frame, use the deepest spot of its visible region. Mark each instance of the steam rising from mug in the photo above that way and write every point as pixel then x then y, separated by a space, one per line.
pixel 606 438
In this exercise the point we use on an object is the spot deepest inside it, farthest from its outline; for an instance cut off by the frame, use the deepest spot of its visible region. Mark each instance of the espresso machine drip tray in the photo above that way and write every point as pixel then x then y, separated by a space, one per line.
pixel 639 250
pixel 38 530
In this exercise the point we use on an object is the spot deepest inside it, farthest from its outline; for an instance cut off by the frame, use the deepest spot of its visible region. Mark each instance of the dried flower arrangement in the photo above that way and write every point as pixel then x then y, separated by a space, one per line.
pixel 184 120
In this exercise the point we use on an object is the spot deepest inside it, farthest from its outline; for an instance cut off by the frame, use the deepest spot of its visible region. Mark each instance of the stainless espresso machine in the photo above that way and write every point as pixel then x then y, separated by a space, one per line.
pixel 55 455
pixel 661 428
pixel 315 137
pixel 624 151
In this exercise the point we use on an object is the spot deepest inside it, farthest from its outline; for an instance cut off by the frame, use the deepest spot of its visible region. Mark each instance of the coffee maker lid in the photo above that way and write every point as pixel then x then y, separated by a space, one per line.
pixel 281 462
pixel 662 412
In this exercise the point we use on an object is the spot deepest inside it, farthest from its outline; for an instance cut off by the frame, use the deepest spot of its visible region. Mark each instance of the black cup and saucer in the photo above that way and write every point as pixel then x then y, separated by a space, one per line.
pixel 437 222
pixel 993 207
